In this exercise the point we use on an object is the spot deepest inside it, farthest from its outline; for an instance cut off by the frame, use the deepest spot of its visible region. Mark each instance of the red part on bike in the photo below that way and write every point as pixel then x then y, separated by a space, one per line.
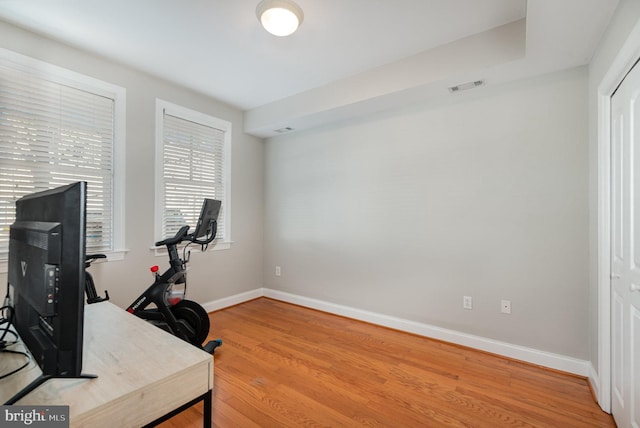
pixel 154 269
pixel 174 300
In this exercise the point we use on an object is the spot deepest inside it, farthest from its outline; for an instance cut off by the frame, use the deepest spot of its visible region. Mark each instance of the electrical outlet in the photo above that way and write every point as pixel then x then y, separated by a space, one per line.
pixel 278 271
pixel 467 302
pixel 505 306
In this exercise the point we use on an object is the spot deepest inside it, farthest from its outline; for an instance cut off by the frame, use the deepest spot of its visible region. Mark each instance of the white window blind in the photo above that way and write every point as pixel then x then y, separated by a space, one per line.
pixel 194 155
pixel 53 134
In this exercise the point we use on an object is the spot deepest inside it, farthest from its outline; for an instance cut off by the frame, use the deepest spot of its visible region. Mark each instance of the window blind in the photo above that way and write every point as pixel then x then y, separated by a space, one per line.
pixel 193 162
pixel 51 135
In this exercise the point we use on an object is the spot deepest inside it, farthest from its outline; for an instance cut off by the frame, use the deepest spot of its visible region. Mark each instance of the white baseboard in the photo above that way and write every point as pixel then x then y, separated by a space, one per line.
pixel 594 380
pixel 530 355
pixel 225 302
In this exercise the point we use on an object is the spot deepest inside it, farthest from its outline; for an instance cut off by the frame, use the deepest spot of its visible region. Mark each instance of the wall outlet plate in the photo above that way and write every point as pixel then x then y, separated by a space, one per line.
pixel 467 302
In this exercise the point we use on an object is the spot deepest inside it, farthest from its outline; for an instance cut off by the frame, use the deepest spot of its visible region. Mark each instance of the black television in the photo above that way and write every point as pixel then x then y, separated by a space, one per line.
pixel 207 222
pixel 47 276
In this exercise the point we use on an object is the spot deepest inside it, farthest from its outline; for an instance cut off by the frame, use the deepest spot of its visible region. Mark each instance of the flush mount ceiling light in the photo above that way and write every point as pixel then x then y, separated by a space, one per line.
pixel 279 17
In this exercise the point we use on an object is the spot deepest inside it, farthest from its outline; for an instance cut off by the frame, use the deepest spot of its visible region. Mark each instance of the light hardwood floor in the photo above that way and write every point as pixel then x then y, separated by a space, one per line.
pixel 283 365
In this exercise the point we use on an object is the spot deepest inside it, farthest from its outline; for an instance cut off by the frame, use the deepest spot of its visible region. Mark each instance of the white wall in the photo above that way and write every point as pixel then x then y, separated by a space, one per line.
pixel 403 213
pixel 213 275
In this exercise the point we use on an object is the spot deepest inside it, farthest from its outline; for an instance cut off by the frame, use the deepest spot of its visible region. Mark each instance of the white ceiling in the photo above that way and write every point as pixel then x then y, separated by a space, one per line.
pixel 348 55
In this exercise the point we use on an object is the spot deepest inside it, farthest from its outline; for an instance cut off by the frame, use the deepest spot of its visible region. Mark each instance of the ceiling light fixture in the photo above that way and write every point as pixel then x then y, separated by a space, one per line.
pixel 279 17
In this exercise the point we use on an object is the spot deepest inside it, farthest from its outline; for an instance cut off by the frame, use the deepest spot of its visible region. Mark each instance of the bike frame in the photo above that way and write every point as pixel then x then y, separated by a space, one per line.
pixel 157 292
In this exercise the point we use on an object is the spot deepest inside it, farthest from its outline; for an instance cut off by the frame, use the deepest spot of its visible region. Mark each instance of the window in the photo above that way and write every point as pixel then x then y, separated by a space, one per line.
pixel 192 163
pixel 58 127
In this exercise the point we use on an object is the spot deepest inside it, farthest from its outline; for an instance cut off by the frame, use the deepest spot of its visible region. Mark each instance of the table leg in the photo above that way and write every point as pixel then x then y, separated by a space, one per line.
pixel 207 403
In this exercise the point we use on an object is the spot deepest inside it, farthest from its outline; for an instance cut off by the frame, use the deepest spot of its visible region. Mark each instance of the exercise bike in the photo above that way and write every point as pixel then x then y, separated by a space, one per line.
pixel 183 318
pixel 89 285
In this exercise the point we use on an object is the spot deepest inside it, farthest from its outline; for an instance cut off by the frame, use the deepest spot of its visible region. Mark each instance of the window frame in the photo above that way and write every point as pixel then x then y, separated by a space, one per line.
pixel 188 114
pixel 76 80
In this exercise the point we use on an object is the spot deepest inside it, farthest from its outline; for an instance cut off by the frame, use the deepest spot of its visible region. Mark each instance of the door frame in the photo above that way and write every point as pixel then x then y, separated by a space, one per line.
pixel 624 61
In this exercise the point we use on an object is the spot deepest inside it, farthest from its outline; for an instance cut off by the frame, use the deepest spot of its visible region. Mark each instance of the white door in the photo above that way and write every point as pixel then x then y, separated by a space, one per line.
pixel 625 248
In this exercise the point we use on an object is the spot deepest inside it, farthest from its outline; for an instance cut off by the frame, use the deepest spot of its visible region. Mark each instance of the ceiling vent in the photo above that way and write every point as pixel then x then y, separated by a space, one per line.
pixel 466 86
pixel 284 130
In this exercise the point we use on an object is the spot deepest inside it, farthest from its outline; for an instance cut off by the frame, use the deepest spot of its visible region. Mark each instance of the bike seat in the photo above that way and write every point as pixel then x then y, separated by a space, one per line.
pixel 89 258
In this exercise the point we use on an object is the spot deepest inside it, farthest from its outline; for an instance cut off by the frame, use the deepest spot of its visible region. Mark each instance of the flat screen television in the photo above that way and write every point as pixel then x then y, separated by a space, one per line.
pixel 46 274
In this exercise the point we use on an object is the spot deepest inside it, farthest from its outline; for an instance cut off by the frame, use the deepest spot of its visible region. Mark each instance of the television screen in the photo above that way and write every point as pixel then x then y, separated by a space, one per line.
pixel 208 218
pixel 47 275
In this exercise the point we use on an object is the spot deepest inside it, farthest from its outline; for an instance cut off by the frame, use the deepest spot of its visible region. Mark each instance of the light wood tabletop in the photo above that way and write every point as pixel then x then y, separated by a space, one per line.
pixel 143 373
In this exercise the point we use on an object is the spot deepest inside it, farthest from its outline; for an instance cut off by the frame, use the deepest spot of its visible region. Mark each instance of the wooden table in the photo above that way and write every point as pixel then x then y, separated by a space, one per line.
pixel 144 374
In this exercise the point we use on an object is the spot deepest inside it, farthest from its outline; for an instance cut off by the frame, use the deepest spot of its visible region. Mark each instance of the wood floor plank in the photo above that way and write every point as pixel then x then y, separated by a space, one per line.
pixel 283 365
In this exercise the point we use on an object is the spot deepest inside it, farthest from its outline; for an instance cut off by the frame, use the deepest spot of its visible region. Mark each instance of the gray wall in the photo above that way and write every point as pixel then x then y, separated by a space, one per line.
pixel 213 275
pixel 404 213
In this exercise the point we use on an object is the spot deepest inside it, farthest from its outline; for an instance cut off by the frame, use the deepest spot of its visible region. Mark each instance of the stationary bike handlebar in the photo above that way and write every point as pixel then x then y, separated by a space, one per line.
pixel 181 235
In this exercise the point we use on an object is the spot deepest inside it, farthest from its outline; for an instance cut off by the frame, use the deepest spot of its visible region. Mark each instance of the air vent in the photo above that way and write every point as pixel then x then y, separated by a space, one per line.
pixel 283 130
pixel 466 86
